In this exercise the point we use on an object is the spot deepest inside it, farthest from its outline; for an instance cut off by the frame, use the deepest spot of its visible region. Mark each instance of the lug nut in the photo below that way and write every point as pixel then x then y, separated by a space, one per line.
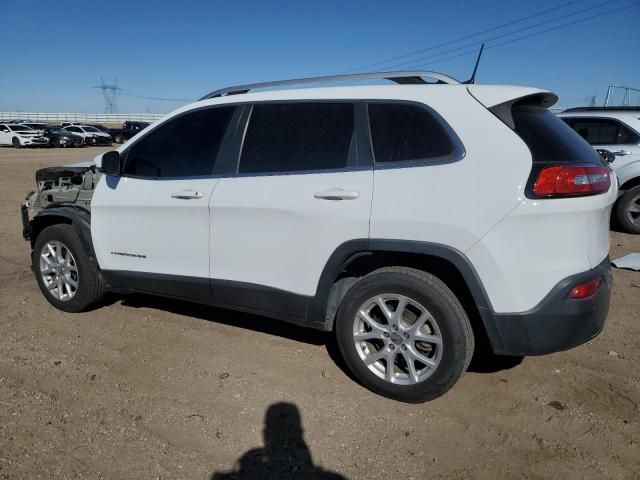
pixel 385 334
pixel 406 335
pixel 392 347
pixel 404 347
pixel 395 328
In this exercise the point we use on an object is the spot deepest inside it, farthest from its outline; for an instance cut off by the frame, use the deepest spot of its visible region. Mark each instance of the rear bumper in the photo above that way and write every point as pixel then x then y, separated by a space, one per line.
pixel 556 323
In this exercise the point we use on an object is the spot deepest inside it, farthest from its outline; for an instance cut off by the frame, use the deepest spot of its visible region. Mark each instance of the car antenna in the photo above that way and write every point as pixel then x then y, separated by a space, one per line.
pixel 472 80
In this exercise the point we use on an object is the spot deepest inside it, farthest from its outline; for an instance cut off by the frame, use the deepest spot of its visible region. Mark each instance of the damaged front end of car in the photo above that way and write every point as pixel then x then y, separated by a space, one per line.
pixel 70 187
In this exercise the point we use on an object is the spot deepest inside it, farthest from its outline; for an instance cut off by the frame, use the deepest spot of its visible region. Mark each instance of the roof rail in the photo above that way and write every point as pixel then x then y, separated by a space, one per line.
pixel 610 108
pixel 402 78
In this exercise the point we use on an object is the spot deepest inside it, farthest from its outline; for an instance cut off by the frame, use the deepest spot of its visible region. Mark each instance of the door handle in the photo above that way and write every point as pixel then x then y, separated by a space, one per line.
pixel 621 153
pixel 337 194
pixel 186 195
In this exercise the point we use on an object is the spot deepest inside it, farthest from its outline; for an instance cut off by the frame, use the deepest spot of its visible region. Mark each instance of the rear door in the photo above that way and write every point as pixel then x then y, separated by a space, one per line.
pixel 154 218
pixel 301 189
pixel 610 134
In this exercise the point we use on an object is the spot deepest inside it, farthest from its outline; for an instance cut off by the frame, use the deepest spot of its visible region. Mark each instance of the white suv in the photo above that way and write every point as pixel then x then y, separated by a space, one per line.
pixel 616 129
pixel 411 219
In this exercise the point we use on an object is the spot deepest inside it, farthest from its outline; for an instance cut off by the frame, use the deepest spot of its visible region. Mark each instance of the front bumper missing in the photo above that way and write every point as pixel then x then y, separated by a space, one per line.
pixel 26 223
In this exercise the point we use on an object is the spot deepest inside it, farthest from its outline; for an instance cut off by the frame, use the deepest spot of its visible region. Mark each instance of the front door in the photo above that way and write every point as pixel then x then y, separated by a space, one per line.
pixel 152 222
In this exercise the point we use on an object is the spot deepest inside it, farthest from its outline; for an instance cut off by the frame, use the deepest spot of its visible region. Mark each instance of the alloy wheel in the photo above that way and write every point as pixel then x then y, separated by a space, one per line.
pixel 59 271
pixel 398 339
pixel 633 210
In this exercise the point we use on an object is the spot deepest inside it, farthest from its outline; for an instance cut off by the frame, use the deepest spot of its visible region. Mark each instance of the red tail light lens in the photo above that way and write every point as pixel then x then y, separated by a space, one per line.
pixel 586 289
pixel 571 181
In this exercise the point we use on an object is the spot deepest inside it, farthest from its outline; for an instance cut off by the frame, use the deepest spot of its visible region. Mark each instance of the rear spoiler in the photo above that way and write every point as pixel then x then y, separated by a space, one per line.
pixel 502 109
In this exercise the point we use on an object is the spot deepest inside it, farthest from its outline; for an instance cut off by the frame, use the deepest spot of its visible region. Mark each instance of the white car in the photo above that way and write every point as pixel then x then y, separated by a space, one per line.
pixel 21 136
pixel 91 135
pixel 616 129
pixel 383 213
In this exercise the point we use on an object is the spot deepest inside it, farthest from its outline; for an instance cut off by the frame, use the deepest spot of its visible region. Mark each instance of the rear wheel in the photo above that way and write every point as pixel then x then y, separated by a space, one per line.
pixel 628 210
pixel 67 278
pixel 16 142
pixel 404 334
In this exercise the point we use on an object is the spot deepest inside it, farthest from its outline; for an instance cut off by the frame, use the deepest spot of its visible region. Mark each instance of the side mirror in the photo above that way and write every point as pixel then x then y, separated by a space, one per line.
pixel 110 164
pixel 606 155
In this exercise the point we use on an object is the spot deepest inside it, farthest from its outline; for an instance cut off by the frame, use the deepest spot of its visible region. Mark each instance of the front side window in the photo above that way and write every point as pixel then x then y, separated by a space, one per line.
pixel 404 133
pixel 297 137
pixel 186 146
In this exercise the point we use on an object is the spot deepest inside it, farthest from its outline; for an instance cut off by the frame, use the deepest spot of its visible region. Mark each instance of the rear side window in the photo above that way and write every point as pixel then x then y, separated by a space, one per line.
pixel 549 138
pixel 186 146
pixel 628 136
pixel 404 133
pixel 297 137
pixel 597 131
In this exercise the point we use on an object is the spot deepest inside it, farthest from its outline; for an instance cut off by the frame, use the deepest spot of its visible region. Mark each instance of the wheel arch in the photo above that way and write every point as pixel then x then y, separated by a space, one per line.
pixel 631 183
pixel 357 258
pixel 78 218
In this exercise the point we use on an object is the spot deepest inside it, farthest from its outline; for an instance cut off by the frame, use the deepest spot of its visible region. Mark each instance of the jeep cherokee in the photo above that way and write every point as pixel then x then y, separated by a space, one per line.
pixel 409 219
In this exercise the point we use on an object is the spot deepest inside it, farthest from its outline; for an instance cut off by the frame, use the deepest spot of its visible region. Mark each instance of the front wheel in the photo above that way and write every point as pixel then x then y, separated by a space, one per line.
pixel 628 210
pixel 16 143
pixel 118 139
pixel 404 334
pixel 65 274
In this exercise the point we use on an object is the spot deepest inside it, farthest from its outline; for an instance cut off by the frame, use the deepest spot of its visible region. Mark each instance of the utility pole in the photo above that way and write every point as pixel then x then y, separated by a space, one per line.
pixel 110 93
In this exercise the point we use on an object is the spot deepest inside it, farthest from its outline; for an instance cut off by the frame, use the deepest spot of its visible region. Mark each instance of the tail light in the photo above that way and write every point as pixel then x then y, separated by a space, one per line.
pixel 572 181
pixel 586 289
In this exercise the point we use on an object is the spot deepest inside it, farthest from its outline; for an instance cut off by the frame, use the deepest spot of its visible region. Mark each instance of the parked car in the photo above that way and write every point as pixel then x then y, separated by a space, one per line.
pixel 128 130
pixel 21 136
pixel 60 137
pixel 265 202
pixel 91 135
pixel 616 129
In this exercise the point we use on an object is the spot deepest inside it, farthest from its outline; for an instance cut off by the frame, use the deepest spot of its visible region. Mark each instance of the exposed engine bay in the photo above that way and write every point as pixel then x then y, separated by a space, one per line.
pixel 63 185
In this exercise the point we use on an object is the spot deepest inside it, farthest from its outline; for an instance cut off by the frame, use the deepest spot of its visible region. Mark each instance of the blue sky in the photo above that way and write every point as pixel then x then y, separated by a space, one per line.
pixel 55 52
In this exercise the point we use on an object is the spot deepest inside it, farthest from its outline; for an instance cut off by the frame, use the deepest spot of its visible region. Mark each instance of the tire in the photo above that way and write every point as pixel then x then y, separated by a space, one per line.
pixel 16 142
pixel 446 323
pixel 118 139
pixel 628 211
pixel 90 286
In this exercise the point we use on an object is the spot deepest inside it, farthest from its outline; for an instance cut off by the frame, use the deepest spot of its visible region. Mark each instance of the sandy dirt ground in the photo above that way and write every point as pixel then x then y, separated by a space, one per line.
pixel 146 388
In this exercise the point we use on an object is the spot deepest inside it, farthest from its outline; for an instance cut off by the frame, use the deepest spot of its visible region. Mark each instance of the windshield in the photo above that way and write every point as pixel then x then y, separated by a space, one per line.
pixel 20 128
pixel 90 129
pixel 58 130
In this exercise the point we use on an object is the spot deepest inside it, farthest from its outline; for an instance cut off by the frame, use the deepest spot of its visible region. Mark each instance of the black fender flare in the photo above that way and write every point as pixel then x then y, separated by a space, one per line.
pixel 77 217
pixel 349 251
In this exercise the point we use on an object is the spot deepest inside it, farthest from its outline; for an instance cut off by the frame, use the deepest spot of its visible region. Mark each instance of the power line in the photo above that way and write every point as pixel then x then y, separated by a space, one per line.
pixel 507 42
pixel 498 27
pixel 502 35
pixel 158 98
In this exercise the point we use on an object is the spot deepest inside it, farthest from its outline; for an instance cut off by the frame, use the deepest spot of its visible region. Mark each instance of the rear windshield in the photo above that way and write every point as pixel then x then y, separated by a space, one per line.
pixel 549 138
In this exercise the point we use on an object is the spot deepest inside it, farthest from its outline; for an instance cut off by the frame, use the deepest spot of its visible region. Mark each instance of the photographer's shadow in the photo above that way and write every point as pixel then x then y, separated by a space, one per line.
pixel 285 454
